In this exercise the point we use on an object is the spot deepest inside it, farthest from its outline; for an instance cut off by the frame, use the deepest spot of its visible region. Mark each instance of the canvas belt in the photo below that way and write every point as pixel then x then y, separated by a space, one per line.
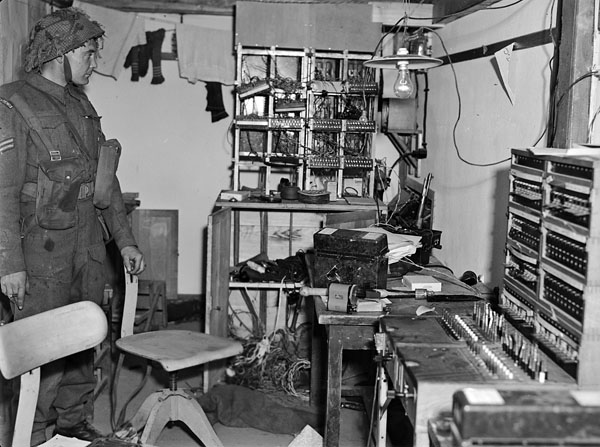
pixel 86 190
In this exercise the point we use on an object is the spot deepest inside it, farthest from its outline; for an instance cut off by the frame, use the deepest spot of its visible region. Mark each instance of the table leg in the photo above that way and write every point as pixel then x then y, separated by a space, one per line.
pixel 381 403
pixel 317 357
pixel 334 386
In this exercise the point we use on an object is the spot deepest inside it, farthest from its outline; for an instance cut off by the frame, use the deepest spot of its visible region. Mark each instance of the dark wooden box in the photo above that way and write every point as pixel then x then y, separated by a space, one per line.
pixel 350 257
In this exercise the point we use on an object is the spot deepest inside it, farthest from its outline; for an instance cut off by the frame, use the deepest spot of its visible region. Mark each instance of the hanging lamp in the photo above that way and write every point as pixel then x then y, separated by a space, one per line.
pixel 403 61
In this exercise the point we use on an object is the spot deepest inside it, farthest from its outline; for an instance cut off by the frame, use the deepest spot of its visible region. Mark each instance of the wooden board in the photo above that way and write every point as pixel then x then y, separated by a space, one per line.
pixel 284 235
pixel 217 287
pixel 156 232
pixel 318 26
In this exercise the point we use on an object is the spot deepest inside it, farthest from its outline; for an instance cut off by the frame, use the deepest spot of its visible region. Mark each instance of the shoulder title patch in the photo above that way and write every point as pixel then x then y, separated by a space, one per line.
pixel 6 102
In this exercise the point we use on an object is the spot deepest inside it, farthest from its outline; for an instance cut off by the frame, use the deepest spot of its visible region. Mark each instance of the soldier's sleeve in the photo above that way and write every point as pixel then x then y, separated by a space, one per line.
pixel 13 158
pixel 116 219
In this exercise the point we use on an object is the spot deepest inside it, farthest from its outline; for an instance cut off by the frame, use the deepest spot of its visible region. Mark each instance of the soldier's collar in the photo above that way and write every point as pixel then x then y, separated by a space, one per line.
pixel 41 83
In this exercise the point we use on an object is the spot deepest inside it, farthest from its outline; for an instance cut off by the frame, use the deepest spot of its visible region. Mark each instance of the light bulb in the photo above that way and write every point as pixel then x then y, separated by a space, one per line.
pixel 403 87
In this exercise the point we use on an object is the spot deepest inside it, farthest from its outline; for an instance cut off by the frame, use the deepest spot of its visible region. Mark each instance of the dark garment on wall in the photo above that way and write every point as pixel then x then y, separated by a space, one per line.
pixel 139 57
pixel 214 101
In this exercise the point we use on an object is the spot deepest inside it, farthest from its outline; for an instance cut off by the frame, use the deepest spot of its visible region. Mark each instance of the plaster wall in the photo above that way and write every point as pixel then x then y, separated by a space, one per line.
pixel 473 122
pixel 173 155
pixel 175 158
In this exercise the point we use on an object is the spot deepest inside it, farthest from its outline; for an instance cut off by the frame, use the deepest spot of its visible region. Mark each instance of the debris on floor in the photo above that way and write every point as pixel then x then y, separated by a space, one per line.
pixel 238 406
pixel 308 437
pixel 275 362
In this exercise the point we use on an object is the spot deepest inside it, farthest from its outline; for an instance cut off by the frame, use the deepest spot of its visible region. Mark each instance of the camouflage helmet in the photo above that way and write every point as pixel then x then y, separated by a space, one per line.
pixel 58 33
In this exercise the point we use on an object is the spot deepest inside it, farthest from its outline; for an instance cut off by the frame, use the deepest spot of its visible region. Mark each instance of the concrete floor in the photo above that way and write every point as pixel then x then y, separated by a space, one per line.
pixel 354 429
pixel 354 424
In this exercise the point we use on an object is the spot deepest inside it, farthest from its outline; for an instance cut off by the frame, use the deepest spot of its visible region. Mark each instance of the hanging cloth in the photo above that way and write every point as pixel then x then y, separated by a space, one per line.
pixel 123 31
pixel 205 54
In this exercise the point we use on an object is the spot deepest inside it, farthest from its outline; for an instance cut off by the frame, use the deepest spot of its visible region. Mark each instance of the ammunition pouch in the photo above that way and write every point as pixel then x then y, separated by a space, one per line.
pixel 108 161
pixel 58 189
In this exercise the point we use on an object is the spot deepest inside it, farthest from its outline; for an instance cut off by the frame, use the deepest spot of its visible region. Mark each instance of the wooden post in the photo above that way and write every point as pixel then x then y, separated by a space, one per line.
pixel 575 56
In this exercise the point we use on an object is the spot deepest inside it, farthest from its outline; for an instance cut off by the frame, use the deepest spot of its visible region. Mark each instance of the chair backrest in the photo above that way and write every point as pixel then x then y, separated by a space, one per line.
pixel 27 344
pixel 129 304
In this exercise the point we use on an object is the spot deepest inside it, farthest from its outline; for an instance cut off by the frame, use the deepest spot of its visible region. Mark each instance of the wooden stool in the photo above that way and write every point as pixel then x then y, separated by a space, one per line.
pixel 174 350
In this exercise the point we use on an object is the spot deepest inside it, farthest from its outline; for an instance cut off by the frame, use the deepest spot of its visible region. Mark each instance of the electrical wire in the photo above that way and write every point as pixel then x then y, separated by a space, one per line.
pixel 592 123
pixel 425 101
pixel 505 6
pixel 119 422
pixel 459 113
pixel 400 20
pixel 563 95
pixel 439 18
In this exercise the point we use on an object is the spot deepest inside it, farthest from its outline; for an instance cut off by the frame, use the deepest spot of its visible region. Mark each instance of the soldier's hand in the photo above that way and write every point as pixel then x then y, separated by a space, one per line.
pixel 14 287
pixel 133 259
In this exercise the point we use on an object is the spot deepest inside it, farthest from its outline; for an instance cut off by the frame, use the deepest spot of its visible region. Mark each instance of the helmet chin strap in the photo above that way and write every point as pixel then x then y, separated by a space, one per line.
pixel 67 69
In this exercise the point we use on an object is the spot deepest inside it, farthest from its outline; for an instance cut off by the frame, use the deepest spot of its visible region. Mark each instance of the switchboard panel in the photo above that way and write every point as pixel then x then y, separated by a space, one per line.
pixel 306 115
pixel 551 289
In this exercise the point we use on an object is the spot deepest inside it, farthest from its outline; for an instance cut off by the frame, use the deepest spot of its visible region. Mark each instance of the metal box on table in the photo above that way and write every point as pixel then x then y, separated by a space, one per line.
pixel 490 416
pixel 350 257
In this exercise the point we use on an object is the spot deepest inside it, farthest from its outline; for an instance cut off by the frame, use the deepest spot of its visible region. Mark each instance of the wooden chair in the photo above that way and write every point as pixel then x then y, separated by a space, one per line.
pixel 27 344
pixel 174 350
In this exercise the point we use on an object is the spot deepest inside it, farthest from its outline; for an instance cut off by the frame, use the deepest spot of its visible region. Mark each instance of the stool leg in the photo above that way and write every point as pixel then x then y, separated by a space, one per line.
pixel 191 414
pixel 161 414
pixel 178 406
pixel 140 419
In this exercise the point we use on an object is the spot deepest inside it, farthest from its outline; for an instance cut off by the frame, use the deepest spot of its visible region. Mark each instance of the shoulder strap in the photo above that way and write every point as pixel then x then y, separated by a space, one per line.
pixel 31 119
pixel 72 129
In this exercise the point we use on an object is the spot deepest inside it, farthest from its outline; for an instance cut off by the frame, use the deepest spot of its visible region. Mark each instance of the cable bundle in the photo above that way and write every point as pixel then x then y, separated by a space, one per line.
pixel 274 362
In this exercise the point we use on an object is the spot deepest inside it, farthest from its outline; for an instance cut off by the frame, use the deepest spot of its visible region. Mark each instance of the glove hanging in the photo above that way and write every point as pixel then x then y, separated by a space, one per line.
pixel 138 60
pixel 214 101
pixel 133 60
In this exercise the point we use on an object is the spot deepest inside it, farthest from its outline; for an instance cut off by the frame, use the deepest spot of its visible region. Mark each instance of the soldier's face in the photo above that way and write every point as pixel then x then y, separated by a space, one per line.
pixel 83 60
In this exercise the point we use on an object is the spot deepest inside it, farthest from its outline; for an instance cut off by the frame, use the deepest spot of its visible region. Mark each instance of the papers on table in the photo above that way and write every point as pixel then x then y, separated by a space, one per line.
pixel 63 441
pixel 399 245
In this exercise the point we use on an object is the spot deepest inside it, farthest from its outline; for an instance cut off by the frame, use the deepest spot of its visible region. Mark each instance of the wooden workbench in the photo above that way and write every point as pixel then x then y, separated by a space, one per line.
pixel 336 332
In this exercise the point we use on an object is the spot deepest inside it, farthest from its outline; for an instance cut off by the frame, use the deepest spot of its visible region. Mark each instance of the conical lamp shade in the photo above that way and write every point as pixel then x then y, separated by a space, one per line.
pixel 415 61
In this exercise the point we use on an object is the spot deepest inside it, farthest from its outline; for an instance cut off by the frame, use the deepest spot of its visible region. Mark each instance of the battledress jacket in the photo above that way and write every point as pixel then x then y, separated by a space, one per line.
pixel 21 154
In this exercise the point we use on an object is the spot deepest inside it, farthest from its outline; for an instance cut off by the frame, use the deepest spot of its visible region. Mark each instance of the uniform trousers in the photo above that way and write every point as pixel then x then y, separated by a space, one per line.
pixel 64 267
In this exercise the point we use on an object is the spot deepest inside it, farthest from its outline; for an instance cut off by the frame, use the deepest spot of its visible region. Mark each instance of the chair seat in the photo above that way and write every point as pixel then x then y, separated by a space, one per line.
pixel 179 349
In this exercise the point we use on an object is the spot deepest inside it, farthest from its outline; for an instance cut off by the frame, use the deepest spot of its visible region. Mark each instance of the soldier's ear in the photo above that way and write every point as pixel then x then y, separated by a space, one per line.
pixel 61 59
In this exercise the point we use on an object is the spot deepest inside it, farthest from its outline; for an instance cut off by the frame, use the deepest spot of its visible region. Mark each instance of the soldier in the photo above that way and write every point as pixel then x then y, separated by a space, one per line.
pixel 59 199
